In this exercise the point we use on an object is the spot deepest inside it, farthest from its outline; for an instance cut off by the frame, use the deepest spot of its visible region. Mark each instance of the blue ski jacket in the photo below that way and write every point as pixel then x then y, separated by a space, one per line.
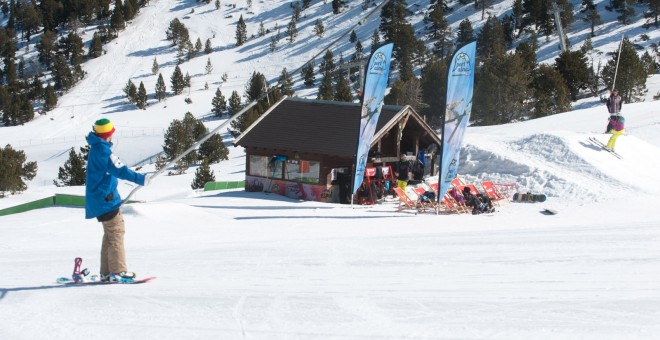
pixel 103 169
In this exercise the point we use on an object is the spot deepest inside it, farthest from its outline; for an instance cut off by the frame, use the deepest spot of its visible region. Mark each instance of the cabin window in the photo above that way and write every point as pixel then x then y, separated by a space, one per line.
pixel 302 171
pixel 259 166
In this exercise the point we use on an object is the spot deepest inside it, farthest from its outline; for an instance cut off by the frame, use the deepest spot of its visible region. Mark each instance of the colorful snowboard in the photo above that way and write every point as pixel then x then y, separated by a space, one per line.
pixel 69 282
pixel 529 197
pixel 80 277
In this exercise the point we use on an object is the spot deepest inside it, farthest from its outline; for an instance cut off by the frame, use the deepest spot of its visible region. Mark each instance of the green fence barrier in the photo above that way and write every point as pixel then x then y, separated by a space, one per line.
pixel 42 203
pixel 224 185
pixel 58 199
pixel 78 201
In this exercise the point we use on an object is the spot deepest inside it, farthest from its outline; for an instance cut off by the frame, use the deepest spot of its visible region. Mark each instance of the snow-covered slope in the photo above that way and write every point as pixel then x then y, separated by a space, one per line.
pixel 237 265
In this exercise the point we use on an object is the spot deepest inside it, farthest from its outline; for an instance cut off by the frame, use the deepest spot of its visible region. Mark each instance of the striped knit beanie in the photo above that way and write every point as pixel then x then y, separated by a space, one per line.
pixel 104 128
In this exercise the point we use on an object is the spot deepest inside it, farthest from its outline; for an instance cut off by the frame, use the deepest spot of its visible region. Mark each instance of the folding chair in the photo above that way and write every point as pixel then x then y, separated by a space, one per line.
pixel 451 205
pixel 457 182
pixel 492 192
pixel 473 189
pixel 423 205
pixel 404 201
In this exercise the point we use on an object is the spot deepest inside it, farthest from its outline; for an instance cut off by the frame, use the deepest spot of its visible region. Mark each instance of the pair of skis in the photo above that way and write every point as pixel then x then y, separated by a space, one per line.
pixel 603 146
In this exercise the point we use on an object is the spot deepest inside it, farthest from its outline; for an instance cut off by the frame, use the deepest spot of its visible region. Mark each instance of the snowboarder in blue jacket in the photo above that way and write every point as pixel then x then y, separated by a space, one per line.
pixel 102 200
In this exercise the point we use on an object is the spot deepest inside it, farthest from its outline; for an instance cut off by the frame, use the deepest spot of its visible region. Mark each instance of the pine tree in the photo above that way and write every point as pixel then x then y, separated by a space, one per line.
pixel 46 48
pixel 308 74
pixel 375 41
pixel 24 109
pixel 434 88
pixel 117 21
pixel 203 175
pixel 161 161
pixel 219 104
pixel 327 64
pixel 181 135
pixel 326 88
pixel 181 167
pixel 207 47
pixel 213 149
pixel 234 103
pixel 653 13
pixel 517 13
pixel 177 80
pixel 129 11
pixel 631 76
pixel 342 91
pixel 337 5
pixel 465 33
pixel 209 66
pixel 648 63
pixel 506 74
pixel 359 51
pixel 187 81
pixel 130 91
pixel 198 45
pixel 353 37
pixel 244 121
pixel 62 76
pixel 574 68
pixel 439 31
pixel 407 92
pixel 177 32
pixel 241 32
pixel 96 46
pixel 50 98
pixel 528 55
pixel 296 11
pixel 626 12
pixel 591 15
pixel 161 89
pixel 256 87
pixel 286 83
pixel 36 89
pixel 14 170
pixel 319 29
pixel 141 97
pixel 491 39
pixel 262 29
pixel 273 43
pixel 291 31
pixel 73 172
pixel 217 4
pixel 155 67
pixel 551 94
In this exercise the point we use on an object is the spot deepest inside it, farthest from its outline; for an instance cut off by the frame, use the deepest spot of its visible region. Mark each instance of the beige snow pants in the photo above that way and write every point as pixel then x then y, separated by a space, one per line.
pixel 113 257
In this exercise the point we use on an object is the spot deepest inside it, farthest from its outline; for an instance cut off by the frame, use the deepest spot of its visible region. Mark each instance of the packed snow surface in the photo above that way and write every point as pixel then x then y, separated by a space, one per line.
pixel 239 265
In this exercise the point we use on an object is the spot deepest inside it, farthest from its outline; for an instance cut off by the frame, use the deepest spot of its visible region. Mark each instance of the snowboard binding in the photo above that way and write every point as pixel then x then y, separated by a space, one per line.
pixel 78 275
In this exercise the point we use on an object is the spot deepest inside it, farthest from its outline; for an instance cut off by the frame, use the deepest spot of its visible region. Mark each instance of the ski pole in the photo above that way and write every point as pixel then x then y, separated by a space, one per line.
pixel 194 146
pixel 616 70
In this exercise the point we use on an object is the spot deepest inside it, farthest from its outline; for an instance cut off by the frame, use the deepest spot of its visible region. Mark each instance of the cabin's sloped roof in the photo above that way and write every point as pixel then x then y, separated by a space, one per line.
pixel 312 126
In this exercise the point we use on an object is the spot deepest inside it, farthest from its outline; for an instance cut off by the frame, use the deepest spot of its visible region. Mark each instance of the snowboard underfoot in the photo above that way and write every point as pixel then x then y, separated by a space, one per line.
pixel 69 282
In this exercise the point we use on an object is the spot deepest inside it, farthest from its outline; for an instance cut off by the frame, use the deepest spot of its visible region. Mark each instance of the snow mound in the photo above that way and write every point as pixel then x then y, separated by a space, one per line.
pixel 563 165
